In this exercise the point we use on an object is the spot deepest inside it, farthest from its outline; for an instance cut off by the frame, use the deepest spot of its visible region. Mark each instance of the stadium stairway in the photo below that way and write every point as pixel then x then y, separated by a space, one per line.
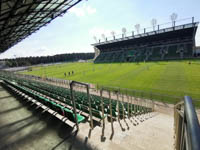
pixel 43 131
pixel 126 131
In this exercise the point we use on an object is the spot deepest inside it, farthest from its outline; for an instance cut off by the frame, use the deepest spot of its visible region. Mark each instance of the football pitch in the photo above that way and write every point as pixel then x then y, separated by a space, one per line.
pixel 173 78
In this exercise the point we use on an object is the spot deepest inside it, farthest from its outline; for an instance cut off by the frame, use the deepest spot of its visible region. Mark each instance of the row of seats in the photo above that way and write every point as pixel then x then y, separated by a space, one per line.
pixel 63 95
pixel 51 104
pixel 147 54
pixel 82 100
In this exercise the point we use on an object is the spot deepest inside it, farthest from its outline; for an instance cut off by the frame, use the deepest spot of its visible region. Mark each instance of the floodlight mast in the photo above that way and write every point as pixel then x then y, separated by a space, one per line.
pixel 137 27
pixel 16 60
pixel 123 32
pixel 173 18
pixel 103 37
pixel 95 38
pixel 154 23
pixel 113 34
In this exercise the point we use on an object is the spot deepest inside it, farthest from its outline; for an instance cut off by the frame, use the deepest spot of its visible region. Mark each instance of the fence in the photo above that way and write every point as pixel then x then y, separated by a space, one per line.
pixel 150 95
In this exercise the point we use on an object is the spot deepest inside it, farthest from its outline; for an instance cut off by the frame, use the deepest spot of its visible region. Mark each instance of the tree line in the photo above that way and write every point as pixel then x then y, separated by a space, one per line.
pixel 27 61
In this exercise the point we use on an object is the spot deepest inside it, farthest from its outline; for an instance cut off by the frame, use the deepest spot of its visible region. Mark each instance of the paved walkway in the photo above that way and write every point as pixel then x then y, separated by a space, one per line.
pixel 155 133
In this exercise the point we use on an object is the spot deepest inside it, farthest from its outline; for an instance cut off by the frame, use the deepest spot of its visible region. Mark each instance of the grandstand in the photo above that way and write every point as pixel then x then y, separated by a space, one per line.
pixel 33 109
pixel 172 43
pixel 198 51
pixel 59 99
pixel 73 106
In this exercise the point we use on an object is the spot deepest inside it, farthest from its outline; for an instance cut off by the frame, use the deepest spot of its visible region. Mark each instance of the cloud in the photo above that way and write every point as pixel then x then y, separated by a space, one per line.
pixel 90 10
pixel 83 11
pixel 79 12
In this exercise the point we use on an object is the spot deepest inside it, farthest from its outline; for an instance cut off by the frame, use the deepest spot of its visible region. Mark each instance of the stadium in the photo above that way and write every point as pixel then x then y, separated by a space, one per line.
pixel 135 90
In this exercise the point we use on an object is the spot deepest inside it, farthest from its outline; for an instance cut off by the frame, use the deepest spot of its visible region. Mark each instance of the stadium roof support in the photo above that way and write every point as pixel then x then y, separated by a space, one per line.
pixel 21 18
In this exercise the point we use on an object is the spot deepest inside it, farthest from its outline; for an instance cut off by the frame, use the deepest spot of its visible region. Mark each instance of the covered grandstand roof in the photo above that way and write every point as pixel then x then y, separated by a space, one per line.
pixel 186 30
pixel 175 34
pixel 21 18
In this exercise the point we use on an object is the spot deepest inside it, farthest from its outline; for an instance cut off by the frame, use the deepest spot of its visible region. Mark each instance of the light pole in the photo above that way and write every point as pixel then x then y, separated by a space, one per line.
pixel 16 60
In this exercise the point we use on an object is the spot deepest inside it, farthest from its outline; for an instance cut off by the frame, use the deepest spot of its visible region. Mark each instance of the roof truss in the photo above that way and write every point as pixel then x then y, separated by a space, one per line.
pixel 21 18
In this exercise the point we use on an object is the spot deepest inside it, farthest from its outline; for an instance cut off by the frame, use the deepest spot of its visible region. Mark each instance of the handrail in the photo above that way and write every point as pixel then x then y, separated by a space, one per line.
pixel 89 100
pixel 187 128
pixel 192 124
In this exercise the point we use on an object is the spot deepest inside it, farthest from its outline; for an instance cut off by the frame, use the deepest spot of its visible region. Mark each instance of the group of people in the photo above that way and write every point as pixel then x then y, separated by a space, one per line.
pixel 69 73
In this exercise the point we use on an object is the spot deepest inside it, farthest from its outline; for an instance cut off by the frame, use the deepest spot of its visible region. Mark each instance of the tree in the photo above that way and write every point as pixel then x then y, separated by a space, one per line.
pixel 26 61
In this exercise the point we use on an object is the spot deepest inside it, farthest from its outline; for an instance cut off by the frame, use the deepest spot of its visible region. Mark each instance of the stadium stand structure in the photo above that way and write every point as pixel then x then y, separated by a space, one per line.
pixel 74 107
pixel 21 18
pixel 177 42
pixel 59 100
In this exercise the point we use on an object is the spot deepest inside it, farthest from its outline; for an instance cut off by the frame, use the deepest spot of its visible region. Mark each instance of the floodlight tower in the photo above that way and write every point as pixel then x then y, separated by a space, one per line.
pixel 123 32
pixel 113 34
pixel 173 18
pixel 95 38
pixel 154 23
pixel 103 37
pixel 16 60
pixel 137 27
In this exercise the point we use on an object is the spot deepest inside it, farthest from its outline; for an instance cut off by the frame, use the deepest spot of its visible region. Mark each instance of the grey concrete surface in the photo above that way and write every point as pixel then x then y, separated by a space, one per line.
pixel 22 127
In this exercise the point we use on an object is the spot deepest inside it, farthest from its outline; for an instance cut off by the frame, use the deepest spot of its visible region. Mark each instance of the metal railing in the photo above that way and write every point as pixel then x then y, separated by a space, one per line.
pixel 151 94
pixel 187 128
pixel 72 84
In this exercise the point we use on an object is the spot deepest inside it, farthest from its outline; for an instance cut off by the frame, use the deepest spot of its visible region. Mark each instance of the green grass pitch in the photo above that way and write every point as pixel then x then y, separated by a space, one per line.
pixel 173 78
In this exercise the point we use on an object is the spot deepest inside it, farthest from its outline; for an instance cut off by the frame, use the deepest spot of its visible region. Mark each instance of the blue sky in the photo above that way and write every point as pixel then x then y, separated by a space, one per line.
pixel 75 30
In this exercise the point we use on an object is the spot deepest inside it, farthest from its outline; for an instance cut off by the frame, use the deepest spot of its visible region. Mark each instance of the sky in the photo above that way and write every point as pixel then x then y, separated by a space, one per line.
pixel 74 31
